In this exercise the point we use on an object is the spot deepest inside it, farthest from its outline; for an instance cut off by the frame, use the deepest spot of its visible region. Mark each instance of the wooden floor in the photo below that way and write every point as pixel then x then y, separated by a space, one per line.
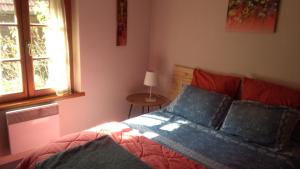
pixel 11 165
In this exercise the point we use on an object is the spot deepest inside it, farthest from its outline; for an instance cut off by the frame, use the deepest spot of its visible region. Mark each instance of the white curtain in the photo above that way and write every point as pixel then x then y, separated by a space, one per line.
pixel 58 48
pixel 1 85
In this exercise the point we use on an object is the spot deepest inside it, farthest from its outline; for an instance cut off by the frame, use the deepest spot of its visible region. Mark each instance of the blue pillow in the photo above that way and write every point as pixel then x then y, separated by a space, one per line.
pixel 262 124
pixel 200 106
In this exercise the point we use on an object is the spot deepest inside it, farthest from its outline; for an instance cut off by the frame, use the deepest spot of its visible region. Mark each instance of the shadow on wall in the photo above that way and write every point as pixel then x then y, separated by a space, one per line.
pixel 159 65
pixel 10 165
pixel 3 135
pixel 288 84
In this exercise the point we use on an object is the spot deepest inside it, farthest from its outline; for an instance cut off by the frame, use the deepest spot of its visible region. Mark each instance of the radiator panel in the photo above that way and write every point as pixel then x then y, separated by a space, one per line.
pixel 32 127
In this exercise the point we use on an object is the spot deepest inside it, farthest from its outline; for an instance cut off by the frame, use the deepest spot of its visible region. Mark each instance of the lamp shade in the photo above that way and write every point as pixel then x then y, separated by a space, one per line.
pixel 150 79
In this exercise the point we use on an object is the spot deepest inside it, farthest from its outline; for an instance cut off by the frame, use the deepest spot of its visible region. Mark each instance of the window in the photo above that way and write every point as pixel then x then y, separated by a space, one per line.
pixel 34 48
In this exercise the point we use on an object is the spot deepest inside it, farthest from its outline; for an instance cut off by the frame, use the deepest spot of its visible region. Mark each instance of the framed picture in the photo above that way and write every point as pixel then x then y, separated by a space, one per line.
pixel 121 22
pixel 252 15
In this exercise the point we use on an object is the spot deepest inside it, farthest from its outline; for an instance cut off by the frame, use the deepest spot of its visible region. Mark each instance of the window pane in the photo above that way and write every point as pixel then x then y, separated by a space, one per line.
pixel 11 77
pixel 38 41
pixel 39 11
pixel 9 42
pixel 41 73
pixel 7 11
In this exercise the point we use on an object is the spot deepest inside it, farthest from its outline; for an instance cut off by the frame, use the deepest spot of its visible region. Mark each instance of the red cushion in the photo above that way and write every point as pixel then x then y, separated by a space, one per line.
pixel 227 85
pixel 269 93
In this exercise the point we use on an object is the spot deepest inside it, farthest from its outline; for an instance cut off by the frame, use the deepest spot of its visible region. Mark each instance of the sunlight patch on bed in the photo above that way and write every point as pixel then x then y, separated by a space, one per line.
pixel 111 126
pixel 145 121
pixel 156 117
pixel 170 127
pixel 135 132
pixel 182 122
pixel 150 134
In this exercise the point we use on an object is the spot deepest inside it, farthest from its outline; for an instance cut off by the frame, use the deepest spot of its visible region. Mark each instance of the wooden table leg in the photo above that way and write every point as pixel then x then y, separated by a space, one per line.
pixel 159 106
pixel 148 109
pixel 142 109
pixel 130 110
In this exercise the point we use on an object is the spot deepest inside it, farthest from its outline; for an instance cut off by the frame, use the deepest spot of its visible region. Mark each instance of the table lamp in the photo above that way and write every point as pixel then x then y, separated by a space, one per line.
pixel 151 81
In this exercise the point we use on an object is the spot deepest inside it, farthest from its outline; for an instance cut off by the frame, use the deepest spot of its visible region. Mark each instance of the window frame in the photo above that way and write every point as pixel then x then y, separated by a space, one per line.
pixel 23 25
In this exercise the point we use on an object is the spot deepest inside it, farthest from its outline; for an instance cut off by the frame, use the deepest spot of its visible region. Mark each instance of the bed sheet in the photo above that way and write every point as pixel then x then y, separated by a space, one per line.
pixel 207 146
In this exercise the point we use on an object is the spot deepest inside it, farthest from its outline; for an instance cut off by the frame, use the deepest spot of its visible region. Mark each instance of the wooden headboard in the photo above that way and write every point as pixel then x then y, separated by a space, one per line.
pixel 182 75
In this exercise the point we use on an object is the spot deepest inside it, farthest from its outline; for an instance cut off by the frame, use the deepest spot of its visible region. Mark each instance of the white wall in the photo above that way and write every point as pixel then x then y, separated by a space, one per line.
pixel 192 33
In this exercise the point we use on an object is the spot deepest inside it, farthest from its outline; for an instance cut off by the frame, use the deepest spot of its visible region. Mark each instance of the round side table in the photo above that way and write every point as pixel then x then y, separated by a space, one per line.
pixel 139 99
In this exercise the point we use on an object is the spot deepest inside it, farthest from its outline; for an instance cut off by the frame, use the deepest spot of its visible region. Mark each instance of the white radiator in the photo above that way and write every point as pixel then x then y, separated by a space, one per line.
pixel 31 127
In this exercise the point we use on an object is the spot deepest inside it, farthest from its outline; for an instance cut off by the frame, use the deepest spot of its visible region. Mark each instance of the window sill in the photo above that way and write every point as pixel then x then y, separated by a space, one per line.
pixel 38 100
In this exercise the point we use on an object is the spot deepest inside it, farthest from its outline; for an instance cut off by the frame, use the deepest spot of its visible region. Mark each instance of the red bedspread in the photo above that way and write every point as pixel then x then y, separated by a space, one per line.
pixel 152 153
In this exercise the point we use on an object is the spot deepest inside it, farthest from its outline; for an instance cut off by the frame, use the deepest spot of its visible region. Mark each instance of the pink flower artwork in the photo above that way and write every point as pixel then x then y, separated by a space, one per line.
pixel 252 15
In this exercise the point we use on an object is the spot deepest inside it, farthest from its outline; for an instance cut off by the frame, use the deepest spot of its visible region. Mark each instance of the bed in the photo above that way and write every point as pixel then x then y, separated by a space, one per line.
pixel 226 135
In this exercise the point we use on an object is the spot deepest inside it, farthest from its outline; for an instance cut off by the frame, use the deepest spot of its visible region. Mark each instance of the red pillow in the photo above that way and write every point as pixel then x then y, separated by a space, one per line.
pixel 227 85
pixel 269 93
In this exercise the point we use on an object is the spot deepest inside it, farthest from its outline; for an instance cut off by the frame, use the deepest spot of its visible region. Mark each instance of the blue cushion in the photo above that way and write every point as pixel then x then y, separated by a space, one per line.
pixel 201 106
pixel 262 124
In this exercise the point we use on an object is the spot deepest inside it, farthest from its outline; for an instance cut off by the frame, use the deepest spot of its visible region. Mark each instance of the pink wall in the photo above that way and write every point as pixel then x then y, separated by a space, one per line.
pixel 108 73
pixel 192 33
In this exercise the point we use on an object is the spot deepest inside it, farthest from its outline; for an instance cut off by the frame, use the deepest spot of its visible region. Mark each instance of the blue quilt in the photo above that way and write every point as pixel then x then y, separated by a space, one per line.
pixel 207 146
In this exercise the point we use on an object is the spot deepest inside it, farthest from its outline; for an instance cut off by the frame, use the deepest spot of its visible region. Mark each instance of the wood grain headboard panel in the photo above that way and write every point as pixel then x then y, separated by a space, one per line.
pixel 182 75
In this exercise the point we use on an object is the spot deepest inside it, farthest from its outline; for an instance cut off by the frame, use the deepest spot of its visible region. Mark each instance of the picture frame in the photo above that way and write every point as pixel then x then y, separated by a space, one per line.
pixel 252 15
pixel 122 22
